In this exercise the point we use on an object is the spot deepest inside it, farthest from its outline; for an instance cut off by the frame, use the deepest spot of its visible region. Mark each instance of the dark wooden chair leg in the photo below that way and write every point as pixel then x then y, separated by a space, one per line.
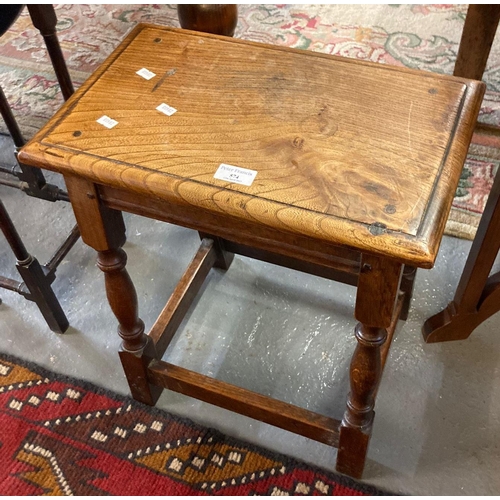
pixel 37 280
pixel 32 176
pixel 477 296
pixel 34 277
pixel 220 19
pixel 479 31
pixel 104 230
pixel 33 181
pixel 377 292
pixel 45 20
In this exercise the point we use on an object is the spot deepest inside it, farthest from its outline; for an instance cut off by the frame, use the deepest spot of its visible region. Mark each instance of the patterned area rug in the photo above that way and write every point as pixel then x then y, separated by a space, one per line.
pixel 61 436
pixel 416 36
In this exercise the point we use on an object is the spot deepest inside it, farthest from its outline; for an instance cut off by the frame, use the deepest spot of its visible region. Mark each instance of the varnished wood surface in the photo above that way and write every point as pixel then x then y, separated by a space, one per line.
pixel 241 232
pixel 219 393
pixel 353 153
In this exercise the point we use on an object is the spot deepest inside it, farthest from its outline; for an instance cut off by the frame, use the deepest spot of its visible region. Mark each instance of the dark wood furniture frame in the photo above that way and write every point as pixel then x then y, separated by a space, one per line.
pixel 37 279
pixel 477 296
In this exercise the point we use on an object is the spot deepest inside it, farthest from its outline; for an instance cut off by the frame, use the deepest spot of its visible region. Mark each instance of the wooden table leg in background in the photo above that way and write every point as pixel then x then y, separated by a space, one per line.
pixel 478 34
pixel 220 19
pixel 477 296
pixel 45 20
pixel 35 280
pixel 477 37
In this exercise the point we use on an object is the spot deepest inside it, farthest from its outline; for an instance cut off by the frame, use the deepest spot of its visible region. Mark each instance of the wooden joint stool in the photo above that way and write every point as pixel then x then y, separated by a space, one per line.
pixel 339 168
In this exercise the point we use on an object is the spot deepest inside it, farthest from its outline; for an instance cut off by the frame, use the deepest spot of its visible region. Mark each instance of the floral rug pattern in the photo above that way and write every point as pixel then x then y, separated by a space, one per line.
pixel 416 36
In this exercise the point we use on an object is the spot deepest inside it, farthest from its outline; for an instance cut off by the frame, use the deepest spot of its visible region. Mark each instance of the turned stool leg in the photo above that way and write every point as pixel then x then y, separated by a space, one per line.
pixel 122 298
pixel 378 287
pixel 104 230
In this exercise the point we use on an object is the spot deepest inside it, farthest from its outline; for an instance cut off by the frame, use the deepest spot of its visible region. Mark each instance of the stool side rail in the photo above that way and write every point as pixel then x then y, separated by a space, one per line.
pixel 245 402
pixel 163 330
pixel 266 409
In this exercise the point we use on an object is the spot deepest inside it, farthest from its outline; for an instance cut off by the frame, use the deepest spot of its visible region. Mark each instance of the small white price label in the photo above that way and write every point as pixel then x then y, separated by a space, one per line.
pixel 238 175
pixel 107 121
pixel 165 108
pixel 145 73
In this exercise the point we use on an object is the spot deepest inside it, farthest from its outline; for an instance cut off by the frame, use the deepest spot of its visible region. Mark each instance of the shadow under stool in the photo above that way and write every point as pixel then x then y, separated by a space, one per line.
pixel 336 167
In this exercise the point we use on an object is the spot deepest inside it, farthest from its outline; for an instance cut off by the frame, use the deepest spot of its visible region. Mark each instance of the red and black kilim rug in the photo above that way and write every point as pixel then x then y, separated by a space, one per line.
pixel 61 436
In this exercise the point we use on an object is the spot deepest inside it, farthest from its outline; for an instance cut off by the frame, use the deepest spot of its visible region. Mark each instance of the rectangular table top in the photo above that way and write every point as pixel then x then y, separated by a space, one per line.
pixel 353 153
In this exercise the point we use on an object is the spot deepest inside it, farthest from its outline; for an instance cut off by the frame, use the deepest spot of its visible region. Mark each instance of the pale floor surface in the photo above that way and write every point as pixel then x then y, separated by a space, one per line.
pixel 281 333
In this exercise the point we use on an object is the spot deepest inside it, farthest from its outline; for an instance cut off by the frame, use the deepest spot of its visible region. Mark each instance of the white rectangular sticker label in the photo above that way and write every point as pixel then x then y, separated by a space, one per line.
pixel 238 175
pixel 107 121
pixel 145 73
pixel 165 108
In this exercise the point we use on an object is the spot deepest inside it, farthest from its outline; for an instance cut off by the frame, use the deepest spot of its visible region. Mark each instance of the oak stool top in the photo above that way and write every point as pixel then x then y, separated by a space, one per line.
pixel 352 153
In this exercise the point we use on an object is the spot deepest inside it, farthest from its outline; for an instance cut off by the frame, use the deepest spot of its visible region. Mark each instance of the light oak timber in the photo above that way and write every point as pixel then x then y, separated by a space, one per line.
pixel 357 165
pixel 330 165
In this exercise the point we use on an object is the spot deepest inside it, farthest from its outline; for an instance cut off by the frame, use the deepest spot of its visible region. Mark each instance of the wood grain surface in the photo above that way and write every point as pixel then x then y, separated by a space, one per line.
pixel 352 153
